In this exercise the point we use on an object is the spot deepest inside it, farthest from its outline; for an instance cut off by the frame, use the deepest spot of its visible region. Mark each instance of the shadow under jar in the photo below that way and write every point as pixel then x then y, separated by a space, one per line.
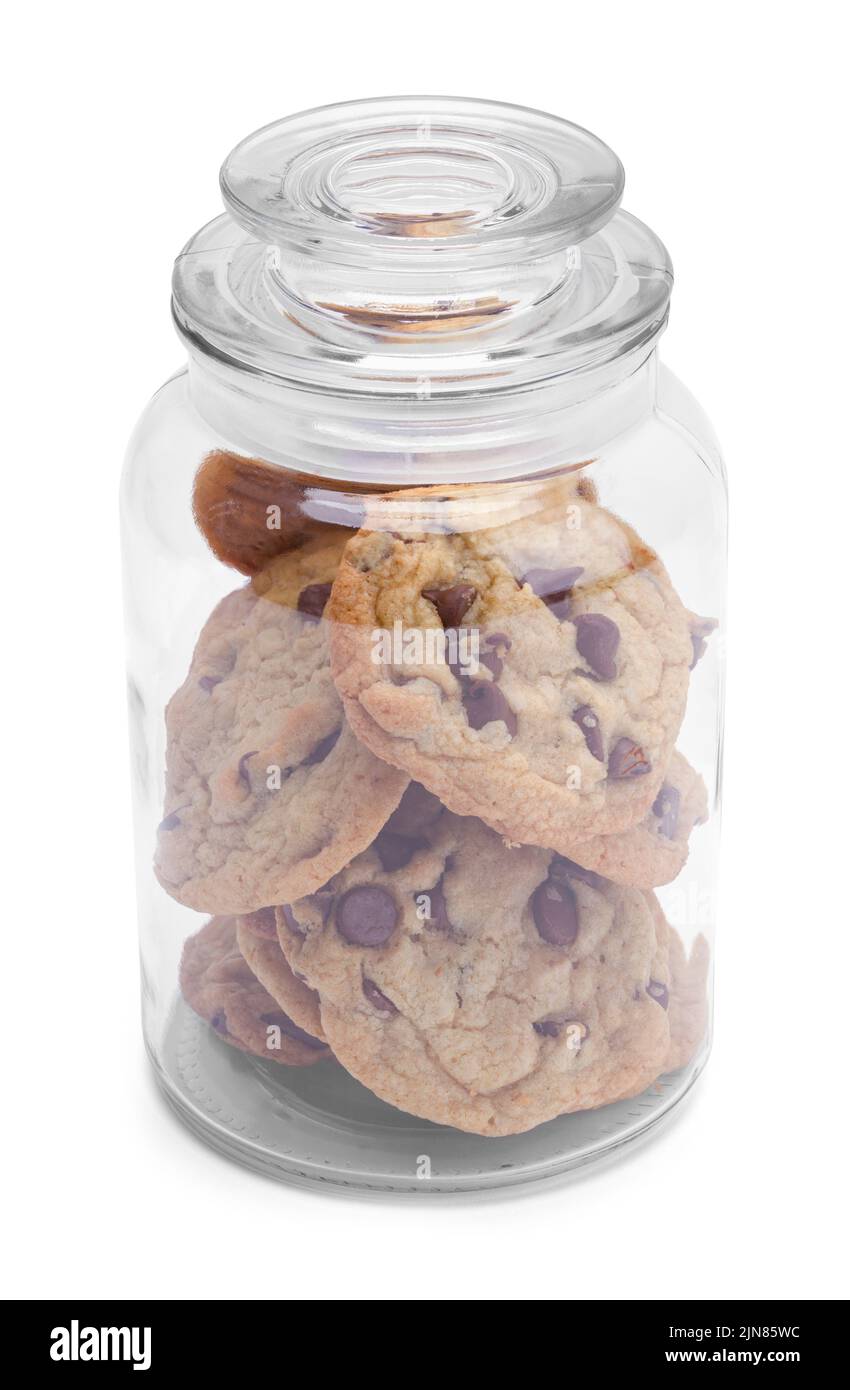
pixel 424 570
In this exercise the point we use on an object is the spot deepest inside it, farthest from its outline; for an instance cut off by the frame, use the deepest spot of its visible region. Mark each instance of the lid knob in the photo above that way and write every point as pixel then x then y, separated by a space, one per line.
pixel 420 214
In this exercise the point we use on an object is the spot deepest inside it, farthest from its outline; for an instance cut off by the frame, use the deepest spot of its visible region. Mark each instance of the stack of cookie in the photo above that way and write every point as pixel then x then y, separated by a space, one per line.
pixel 433 860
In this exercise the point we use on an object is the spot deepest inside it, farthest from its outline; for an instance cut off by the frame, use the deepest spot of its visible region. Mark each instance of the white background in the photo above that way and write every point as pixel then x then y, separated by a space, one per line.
pixel 732 124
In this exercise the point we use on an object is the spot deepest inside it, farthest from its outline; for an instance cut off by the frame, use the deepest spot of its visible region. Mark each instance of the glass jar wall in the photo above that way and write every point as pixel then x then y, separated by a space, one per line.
pixel 424 572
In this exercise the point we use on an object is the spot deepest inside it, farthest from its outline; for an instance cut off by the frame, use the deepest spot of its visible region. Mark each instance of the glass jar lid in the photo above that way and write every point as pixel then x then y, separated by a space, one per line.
pixel 419 246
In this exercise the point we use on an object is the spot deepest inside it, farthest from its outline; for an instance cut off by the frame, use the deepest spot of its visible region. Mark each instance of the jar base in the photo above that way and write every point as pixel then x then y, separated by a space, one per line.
pixel 318 1127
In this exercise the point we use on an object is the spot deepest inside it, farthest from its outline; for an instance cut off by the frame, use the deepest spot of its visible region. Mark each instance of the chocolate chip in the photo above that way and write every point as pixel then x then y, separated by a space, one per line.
pixel 451 604
pixel 484 704
pixel 172 820
pixel 658 991
pixel 210 682
pixel 597 639
pixel 291 920
pixel 312 600
pixel 627 759
pixel 547 1028
pixel 666 807
pixel 553 587
pixel 378 999
pixel 219 1022
pixel 453 648
pixel 562 869
pixel 699 645
pixel 559 607
pixel 395 851
pixel 588 721
pixel 553 1027
pixel 366 916
pixel 278 1019
pixel 438 917
pixel 243 768
pixel 701 628
pixel 493 662
pixel 555 912
pixel 501 643
pixel 322 748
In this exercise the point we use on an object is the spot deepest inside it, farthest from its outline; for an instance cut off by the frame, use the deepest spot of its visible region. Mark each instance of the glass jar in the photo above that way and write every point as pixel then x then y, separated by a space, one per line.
pixel 425 563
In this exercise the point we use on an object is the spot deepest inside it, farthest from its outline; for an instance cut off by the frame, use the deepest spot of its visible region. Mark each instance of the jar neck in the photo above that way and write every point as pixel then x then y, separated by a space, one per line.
pixel 382 440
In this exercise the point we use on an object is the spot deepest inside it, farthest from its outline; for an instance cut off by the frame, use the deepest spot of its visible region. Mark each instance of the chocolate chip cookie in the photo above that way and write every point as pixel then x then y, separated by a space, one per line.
pixel 218 984
pixel 268 792
pixel 564 726
pixel 484 987
pixel 246 510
